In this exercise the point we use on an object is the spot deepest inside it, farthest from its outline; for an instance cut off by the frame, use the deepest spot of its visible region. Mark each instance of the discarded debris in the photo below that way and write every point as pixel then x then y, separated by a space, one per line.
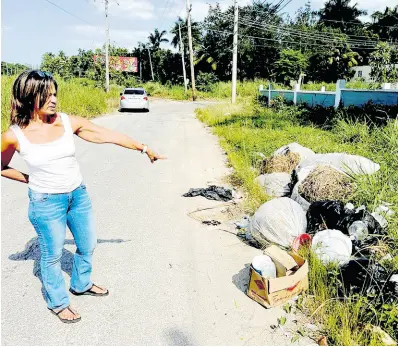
pixel 368 278
pixel 281 163
pixel 211 222
pixel 332 246
pixel 325 182
pixel 211 193
pixel 278 221
pixel 386 339
pixel 275 184
pixel 295 147
pixel 323 341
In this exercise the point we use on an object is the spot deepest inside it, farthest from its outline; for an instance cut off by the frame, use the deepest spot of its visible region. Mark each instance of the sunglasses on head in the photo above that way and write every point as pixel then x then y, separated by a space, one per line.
pixel 44 74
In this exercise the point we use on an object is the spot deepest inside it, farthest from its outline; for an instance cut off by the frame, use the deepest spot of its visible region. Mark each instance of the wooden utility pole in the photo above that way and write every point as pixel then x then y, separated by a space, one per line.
pixel 235 53
pixel 191 50
pixel 107 49
pixel 182 59
pixel 150 62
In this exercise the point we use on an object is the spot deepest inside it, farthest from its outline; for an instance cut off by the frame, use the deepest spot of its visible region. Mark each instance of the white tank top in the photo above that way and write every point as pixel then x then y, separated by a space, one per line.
pixel 53 167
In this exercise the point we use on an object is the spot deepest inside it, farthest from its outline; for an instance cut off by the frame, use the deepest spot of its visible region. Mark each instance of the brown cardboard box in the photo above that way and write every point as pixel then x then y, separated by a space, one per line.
pixel 291 279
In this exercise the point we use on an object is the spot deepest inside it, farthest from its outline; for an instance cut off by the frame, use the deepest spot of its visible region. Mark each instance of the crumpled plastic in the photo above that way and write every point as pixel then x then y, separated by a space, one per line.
pixel 211 193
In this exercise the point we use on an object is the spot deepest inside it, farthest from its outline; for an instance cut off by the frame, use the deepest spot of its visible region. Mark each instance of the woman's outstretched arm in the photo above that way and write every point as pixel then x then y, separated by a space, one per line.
pixel 94 133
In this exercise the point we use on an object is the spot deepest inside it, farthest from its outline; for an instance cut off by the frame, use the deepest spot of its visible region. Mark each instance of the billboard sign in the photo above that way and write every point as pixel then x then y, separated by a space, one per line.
pixel 128 64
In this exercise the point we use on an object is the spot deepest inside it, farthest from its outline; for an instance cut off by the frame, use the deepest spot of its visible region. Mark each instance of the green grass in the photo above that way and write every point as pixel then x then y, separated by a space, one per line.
pixel 246 128
pixel 75 97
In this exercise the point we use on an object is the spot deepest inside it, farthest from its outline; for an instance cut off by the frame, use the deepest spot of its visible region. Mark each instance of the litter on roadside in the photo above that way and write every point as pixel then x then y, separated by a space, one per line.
pixel 211 193
pixel 291 277
pixel 278 221
pixel 275 184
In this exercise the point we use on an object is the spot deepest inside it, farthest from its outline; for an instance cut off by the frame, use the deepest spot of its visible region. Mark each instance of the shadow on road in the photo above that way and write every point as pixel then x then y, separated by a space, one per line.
pixel 32 252
pixel 133 110
pixel 176 337
pixel 241 279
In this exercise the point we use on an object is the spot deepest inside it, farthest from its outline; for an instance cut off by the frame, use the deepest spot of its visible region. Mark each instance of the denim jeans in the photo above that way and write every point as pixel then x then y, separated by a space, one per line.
pixel 50 214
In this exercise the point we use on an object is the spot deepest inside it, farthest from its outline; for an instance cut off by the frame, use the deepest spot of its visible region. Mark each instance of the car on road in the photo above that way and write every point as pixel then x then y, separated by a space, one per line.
pixel 134 98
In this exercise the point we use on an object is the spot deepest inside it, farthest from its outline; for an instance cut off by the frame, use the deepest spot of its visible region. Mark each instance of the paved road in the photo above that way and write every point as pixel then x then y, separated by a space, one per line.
pixel 173 281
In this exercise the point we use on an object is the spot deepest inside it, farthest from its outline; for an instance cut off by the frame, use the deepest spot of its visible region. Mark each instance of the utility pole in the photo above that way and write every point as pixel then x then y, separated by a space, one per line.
pixel 140 71
pixel 107 49
pixel 191 50
pixel 235 52
pixel 150 62
pixel 182 59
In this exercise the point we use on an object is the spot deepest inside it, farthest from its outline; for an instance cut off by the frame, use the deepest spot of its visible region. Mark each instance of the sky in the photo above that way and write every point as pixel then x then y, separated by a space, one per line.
pixel 30 28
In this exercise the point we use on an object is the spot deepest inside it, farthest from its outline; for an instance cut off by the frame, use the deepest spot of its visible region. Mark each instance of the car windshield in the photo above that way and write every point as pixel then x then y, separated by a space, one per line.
pixel 134 91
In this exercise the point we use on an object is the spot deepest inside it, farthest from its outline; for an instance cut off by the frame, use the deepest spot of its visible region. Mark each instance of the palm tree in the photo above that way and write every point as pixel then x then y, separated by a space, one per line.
pixel 340 14
pixel 156 38
pixel 195 30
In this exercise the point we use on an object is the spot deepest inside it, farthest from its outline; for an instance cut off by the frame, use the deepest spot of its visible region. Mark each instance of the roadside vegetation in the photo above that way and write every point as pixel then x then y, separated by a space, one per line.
pixel 248 127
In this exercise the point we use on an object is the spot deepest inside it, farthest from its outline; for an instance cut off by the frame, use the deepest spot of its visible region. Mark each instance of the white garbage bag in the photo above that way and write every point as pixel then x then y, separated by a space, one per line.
pixel 348 163
pixel 264 265
pixel 332 245
pixel 278 221
pixel 295 147
pixel 275 184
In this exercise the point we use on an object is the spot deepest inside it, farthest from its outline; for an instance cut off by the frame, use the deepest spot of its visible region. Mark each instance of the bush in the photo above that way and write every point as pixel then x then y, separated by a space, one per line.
pixel 205 81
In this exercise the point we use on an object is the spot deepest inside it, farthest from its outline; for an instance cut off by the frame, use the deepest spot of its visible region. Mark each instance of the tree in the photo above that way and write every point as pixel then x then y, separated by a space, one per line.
pixel 196 34
pixel 385 24
pixel 331 64
pixel 382 62
pixel 156 38
pixel 290 65
pixel 340 14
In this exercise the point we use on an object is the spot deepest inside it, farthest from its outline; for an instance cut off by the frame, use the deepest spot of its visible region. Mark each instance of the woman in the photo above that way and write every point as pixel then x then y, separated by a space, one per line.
pixel 58 198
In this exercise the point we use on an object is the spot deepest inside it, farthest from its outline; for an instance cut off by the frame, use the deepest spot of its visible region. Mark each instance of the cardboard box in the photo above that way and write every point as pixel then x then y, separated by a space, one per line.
pixel 291 279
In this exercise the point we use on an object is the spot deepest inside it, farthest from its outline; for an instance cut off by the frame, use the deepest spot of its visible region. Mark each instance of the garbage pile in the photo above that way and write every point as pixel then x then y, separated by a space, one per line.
pixel 308 190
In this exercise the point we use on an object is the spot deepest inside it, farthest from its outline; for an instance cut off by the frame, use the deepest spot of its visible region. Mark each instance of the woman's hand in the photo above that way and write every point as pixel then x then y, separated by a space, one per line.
pixel 154 156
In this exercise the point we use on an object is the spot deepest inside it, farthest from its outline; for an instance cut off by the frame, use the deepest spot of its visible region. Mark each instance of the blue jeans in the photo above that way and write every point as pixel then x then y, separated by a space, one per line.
pixel 50 214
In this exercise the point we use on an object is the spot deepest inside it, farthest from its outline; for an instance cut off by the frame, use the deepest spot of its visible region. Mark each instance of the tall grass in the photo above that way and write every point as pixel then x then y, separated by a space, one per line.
pixel 246 128
pixel 75 96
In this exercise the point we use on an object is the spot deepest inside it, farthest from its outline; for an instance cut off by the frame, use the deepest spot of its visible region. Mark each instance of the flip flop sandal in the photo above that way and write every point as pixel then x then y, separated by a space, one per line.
pixel 90 292
pixel 63 320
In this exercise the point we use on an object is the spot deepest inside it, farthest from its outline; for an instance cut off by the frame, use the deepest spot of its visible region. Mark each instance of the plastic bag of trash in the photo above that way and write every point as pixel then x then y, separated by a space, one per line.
pixel 299 175
pixel 348 163
pixel 332 214
pixel 278 221
pixel 275 184
pixel 331 246
pixel 368 278
pixel 295 147
pixel 264 265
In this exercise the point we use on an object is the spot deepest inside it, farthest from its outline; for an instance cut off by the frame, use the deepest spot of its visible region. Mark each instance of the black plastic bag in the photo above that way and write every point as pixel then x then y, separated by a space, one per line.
pixel 367 278
pixel 211 193
pixel 331 214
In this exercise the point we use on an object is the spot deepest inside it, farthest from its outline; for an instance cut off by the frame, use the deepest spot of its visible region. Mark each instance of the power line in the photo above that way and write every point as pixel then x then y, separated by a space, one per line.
pixel 62 9
pixel 310 35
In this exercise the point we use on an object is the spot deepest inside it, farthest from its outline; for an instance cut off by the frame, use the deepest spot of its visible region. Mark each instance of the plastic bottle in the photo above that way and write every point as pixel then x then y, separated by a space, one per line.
pixel 358 231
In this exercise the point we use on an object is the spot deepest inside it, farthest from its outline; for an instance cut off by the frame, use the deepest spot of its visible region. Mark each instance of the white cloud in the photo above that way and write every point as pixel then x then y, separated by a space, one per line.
pixel 142 9
pixel 123 38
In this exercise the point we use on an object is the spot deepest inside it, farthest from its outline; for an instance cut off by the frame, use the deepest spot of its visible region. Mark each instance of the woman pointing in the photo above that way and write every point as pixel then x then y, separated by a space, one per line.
pixel 58 197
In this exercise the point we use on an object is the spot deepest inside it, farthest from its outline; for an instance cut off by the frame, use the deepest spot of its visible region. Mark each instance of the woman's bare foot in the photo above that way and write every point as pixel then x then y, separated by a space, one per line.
pixel 67 314
pixel 98 289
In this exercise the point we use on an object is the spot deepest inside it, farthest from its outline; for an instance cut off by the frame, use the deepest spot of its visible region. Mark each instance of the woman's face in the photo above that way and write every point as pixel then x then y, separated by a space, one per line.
pixel 51 103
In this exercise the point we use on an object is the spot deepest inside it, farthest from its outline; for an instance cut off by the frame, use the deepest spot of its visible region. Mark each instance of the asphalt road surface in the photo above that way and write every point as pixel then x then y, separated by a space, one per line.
pixel 172 280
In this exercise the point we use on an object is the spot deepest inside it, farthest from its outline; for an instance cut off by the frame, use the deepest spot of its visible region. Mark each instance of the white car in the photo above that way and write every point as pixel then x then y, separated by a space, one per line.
pixel 134 98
